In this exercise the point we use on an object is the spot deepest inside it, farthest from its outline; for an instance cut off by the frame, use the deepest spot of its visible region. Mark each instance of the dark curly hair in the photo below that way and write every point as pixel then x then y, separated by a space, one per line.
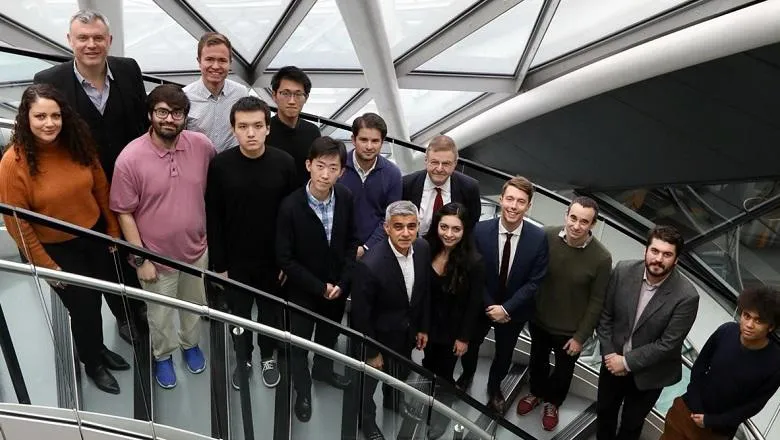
pixel 463 255
pixel 74 136
pixel 764 300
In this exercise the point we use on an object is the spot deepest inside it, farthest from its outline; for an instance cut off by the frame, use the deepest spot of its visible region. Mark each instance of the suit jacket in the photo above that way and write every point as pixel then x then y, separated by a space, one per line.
pixel 125 116
pixel 526 271
pixel 303 251
pixel 659 334
pixel 381 308
pixel 465 190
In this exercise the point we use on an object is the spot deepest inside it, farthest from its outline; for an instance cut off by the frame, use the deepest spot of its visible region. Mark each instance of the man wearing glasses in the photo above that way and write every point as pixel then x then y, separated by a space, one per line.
pixel 291 87
pixel 439 184
pixel 158 191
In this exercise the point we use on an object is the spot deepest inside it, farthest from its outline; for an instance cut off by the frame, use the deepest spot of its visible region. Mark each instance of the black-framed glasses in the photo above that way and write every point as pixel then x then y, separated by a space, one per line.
pixel 162 113
pixel 286 94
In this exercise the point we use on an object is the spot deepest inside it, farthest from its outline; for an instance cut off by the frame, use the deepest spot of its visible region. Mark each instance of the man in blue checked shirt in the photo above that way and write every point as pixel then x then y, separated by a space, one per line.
pixel 315 248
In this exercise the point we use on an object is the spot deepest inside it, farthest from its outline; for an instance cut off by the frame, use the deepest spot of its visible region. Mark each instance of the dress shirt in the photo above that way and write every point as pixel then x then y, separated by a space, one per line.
pixel 562 234
pixel 363 174
pixel 324 209
pixel 210 114
pixel 407 267
pixel 427 200
pixel 646 293
pixel 98 97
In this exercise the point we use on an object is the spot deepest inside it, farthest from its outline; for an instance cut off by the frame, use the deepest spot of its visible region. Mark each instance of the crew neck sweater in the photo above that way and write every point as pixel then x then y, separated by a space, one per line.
pixel 62 189
pixel 731 383
pixel 296 141
pixel 571 296
pixel 243 196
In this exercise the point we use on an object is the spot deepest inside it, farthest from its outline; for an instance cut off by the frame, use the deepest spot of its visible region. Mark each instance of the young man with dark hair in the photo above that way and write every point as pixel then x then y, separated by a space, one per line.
pixel 568 307
pixel 291 88
pixel 315 248
pixel 213 94
pixel 158 192
pixel 648 311
pixel 375 182
pixel 736 373
pixel 245 187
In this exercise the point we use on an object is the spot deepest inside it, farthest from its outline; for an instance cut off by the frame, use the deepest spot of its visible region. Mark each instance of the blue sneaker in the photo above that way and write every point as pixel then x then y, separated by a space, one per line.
pixel 164 373
pixel 194 359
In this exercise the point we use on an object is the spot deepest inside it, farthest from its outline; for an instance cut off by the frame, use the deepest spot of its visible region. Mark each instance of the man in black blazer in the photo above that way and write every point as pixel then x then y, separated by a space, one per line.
pixel 439 184
pixel 108 93
pixel 391 303
pixel 515 253
pixel 315 248
pixel 649 310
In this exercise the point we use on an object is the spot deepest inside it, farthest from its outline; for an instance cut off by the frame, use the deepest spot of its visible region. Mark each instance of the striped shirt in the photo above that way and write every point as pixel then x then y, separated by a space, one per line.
pixel 210 114
pixel 324 210
pixel 98 97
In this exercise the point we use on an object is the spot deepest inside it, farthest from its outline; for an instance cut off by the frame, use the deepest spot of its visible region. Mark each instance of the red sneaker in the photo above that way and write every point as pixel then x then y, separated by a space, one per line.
pixel 527 403
pixel 549 416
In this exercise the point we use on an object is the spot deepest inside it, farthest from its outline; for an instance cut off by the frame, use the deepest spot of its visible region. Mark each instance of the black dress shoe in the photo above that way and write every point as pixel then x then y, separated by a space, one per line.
pixel 497 402
pixel 113 361
pixel 371 431
pixel 103 379
pixel 303 408
pixel 127 332
pixel 464 382
pixel 337 381
pixel 439 424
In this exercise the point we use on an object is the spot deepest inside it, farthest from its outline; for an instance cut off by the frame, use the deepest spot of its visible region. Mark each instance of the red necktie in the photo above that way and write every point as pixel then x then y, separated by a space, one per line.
pixel 438 202
pixel 503 272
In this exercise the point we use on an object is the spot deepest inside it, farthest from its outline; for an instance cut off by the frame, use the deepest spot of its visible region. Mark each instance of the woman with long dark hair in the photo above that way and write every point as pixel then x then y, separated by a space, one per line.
pixel 51 167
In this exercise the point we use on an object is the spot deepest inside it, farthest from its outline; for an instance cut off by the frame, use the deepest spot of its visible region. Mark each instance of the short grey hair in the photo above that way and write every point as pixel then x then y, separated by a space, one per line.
pixel 401 207
pixel 88 16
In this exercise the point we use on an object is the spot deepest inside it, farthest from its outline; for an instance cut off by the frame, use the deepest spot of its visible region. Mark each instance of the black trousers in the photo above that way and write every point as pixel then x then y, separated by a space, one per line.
pixel 127 309
pixel 440 360
pixel 614 391
pixel 551 388
pixel 241 302
pixel 325 335
pixel 401 343
pixel 506 339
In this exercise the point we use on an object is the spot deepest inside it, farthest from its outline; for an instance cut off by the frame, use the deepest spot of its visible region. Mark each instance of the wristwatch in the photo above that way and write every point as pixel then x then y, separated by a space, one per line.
pixel 138 261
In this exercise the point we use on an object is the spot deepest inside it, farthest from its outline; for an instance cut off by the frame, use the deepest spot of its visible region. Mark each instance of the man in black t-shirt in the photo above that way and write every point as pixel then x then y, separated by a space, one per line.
pixel 291 88
pixel 245 188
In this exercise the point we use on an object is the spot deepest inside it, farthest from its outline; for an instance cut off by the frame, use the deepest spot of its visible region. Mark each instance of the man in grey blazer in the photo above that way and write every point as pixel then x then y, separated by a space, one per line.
pixel 649 310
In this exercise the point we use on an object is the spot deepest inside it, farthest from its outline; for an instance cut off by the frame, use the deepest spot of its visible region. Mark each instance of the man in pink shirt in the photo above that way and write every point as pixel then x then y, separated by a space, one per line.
pixel 158 192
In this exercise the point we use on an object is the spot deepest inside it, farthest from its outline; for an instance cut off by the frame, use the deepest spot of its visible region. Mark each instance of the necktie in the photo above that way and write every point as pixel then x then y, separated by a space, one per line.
pixel 438 202
pixel 503 272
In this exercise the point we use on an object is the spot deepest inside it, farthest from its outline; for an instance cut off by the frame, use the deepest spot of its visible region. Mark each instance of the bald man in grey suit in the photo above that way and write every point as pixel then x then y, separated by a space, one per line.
pixel 649 310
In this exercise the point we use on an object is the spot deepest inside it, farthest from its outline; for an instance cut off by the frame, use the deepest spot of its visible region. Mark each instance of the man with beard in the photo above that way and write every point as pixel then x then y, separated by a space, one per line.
pixel 649 310
pixel 158 192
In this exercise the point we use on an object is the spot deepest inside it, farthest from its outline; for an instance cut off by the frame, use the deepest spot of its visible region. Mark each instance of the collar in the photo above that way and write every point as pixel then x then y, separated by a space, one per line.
pixel 428 184
pixel 656 285
pixel 562 234
pixel 352 163
pixel 81 78
pixel 162 151
pixel 398 254
pixel 502 230
pixel 315 200
pixel 204 92
pixel 357 167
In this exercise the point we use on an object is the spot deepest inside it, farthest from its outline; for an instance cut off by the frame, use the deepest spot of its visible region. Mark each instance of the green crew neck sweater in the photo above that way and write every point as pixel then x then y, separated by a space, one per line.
pixel 571 296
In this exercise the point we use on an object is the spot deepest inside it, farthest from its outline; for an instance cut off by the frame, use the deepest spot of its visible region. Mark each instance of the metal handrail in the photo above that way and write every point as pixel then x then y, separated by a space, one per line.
pixel 281 335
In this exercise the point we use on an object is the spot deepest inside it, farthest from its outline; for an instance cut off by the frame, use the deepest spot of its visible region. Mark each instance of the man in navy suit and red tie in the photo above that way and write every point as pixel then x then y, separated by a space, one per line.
pixel 515 253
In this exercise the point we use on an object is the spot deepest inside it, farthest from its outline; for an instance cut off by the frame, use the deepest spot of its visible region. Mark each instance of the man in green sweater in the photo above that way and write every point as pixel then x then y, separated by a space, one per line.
pixel 568 307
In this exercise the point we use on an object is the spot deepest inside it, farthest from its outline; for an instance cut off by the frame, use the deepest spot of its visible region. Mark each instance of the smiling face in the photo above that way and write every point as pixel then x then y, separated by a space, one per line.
pixel 514 204
pixel 579 221
pixel 450 230
pixel 90 42
pixel 368 144
pixel 440 165
pixel 660 258
pixel 45 120
pixel 402 230
pixel 167 122
pixel 214 63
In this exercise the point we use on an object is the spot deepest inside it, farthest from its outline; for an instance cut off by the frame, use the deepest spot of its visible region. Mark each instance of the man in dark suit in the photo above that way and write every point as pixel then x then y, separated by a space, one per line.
pixel 391 303
pixel 315 248
pixel 649 310
pixel 439 184
pixel 108 93
pixel 515 253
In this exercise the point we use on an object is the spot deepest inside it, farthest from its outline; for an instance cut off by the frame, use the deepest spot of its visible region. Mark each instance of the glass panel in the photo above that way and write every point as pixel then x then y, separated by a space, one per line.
pixel 155 40
pixel 15 68
pixel 247 23
pixel 578 23
pixel 325 101
pixel 50 18
pixel 424 107
pixel 321 41
pixel 410 21
pixel 369 107
pixel 486 50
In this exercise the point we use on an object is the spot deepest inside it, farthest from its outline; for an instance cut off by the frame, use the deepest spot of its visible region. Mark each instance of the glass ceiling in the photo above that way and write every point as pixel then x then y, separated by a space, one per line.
pixel 320 43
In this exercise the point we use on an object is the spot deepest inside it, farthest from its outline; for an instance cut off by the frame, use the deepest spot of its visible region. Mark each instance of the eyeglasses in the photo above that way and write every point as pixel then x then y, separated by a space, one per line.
pixel 437 164
pixel 162 113
pixel 286 94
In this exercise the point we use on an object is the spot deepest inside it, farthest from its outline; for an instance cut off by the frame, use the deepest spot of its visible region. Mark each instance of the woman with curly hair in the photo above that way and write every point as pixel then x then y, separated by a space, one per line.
pixel 51 168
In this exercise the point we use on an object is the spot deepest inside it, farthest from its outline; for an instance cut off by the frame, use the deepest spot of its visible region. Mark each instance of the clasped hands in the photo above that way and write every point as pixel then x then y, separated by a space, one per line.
pixel 615 365
pixel 497 314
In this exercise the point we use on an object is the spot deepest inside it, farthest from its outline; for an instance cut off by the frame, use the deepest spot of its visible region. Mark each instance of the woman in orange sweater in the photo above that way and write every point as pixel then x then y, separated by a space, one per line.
pixel 51 168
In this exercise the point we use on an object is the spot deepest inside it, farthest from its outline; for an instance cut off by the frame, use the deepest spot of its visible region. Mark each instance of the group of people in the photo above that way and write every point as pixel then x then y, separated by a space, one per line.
pixel 206 176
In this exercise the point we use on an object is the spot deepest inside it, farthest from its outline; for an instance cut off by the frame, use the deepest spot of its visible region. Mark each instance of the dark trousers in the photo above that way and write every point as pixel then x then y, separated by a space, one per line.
pixel 614 391
pixel 506 340
pixel 440 360
pixel 326 335
pixel 127 309
pixel 401 343
pixel 241 302
pixel 550 388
